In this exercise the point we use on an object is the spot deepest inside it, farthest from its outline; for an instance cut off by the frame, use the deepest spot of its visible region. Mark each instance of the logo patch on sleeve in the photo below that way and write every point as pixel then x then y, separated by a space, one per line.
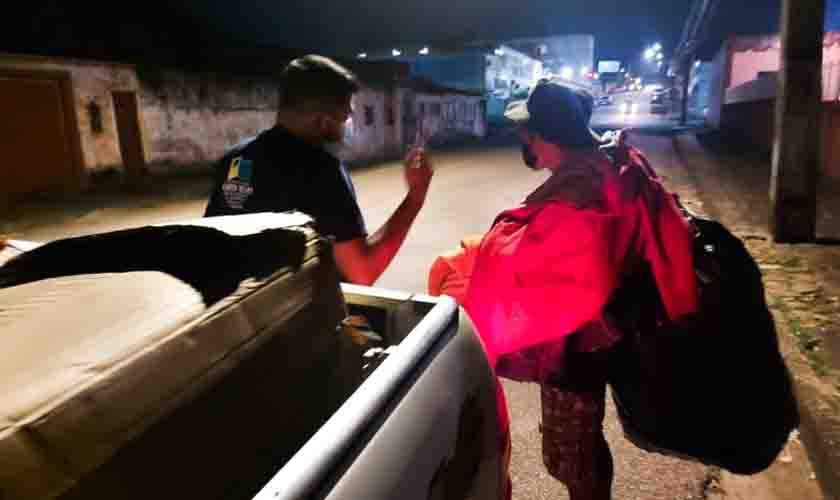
pixel 238 188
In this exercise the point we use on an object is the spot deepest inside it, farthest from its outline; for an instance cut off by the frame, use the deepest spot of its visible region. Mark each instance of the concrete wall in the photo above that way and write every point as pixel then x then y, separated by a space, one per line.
pixel 184 118
pixel 445 119
pixel 752 56
pixel 194 117
pixel 748 64
pixel 92 83
pixel 763 88
pixel 831 139
pixel 448 118
pixel 376 126
pixel 699 87
pixel 754 122
pixel 718 82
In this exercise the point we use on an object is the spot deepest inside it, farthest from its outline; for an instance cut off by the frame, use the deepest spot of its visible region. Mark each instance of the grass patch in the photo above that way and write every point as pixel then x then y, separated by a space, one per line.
pixel 791 261
pixel 809 343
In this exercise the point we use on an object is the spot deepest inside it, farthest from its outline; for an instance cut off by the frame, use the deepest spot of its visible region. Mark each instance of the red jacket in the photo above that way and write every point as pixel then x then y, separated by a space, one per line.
pixel 548 268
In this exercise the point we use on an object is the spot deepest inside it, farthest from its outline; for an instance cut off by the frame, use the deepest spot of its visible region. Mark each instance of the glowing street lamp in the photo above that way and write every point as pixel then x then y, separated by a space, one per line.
pixel 499 52
pixel 396 53
pixel 650 54
pixel 424 51
pixel 362 55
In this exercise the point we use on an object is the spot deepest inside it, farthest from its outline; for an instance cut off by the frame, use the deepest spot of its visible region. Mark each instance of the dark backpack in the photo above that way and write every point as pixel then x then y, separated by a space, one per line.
pixel 713 387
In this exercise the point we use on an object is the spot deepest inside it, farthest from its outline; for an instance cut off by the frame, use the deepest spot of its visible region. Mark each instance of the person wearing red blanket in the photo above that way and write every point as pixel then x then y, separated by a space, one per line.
pixel 537 284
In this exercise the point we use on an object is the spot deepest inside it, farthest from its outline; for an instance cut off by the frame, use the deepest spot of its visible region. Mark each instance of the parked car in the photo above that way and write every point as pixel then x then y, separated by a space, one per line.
pixel 659 104
pixel 604 100
pixel 222 359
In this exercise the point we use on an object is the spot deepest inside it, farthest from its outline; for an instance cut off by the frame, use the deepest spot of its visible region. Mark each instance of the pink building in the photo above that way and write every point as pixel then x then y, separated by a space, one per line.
pixel 744 85
pixel 751 56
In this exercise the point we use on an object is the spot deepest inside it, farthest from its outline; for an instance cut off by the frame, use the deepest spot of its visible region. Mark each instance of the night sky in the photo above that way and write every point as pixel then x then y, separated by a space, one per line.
pixel 621 27
pixel 184 29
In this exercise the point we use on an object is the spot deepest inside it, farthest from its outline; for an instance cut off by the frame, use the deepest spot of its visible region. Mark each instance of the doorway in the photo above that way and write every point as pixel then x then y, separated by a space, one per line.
pixel 127 116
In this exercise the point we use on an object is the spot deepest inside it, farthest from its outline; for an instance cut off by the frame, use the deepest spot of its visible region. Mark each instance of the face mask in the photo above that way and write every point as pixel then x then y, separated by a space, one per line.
pixel 337 148
pixel 529 157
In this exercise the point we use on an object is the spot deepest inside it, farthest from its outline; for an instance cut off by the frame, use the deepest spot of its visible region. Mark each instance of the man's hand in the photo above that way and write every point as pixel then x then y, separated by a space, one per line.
pixel 418 171
pixel 363 260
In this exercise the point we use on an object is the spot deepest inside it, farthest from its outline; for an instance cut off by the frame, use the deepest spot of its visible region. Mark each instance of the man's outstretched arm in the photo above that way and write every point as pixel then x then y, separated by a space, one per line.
pixel 363 260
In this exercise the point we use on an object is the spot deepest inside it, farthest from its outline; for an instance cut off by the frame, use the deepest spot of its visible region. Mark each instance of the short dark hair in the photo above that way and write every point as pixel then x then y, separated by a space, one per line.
pixel 315 83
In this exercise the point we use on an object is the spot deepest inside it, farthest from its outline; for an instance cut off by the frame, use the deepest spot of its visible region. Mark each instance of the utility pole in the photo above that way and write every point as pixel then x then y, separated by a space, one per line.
pixel 694 32
pixel 686 77
pixel 796 155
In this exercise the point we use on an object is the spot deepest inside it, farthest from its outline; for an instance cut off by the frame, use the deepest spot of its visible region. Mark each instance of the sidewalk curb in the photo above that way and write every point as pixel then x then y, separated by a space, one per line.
pixel 820 423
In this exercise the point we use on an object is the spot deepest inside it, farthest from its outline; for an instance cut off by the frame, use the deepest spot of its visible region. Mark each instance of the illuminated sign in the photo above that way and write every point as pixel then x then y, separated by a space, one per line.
pixel 609 66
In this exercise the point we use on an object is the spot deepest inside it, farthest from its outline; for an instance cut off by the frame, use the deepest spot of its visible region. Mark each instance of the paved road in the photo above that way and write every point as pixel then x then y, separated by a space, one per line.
pixel 470 187
pixel 632 110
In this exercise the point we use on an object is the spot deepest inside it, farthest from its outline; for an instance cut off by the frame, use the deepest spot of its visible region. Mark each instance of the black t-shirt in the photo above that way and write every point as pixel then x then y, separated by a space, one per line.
pixel 277 172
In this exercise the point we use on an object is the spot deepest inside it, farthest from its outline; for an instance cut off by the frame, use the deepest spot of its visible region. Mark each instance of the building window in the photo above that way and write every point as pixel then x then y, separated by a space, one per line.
pixel 434 109
pixel 421 108
pixel 369 116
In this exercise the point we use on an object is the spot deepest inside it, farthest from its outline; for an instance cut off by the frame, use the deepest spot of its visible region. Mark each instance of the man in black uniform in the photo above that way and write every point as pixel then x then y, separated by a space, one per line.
pixel 288 168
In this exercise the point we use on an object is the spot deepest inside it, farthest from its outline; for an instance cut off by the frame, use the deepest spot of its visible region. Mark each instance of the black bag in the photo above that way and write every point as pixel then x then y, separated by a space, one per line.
pixel 713 388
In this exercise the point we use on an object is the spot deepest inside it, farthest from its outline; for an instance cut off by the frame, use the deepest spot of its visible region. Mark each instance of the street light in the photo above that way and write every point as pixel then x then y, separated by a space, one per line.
pixel 499 52
pixel 424 51
pixel 362 55
pixel 396 53
pixel 650 54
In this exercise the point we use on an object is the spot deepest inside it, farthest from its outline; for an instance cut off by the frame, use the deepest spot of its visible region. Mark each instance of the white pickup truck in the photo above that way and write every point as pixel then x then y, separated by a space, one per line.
pixel 222 359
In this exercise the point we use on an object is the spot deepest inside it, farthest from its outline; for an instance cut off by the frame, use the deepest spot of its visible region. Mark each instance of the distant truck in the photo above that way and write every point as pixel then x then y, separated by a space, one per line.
pixel 222 359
